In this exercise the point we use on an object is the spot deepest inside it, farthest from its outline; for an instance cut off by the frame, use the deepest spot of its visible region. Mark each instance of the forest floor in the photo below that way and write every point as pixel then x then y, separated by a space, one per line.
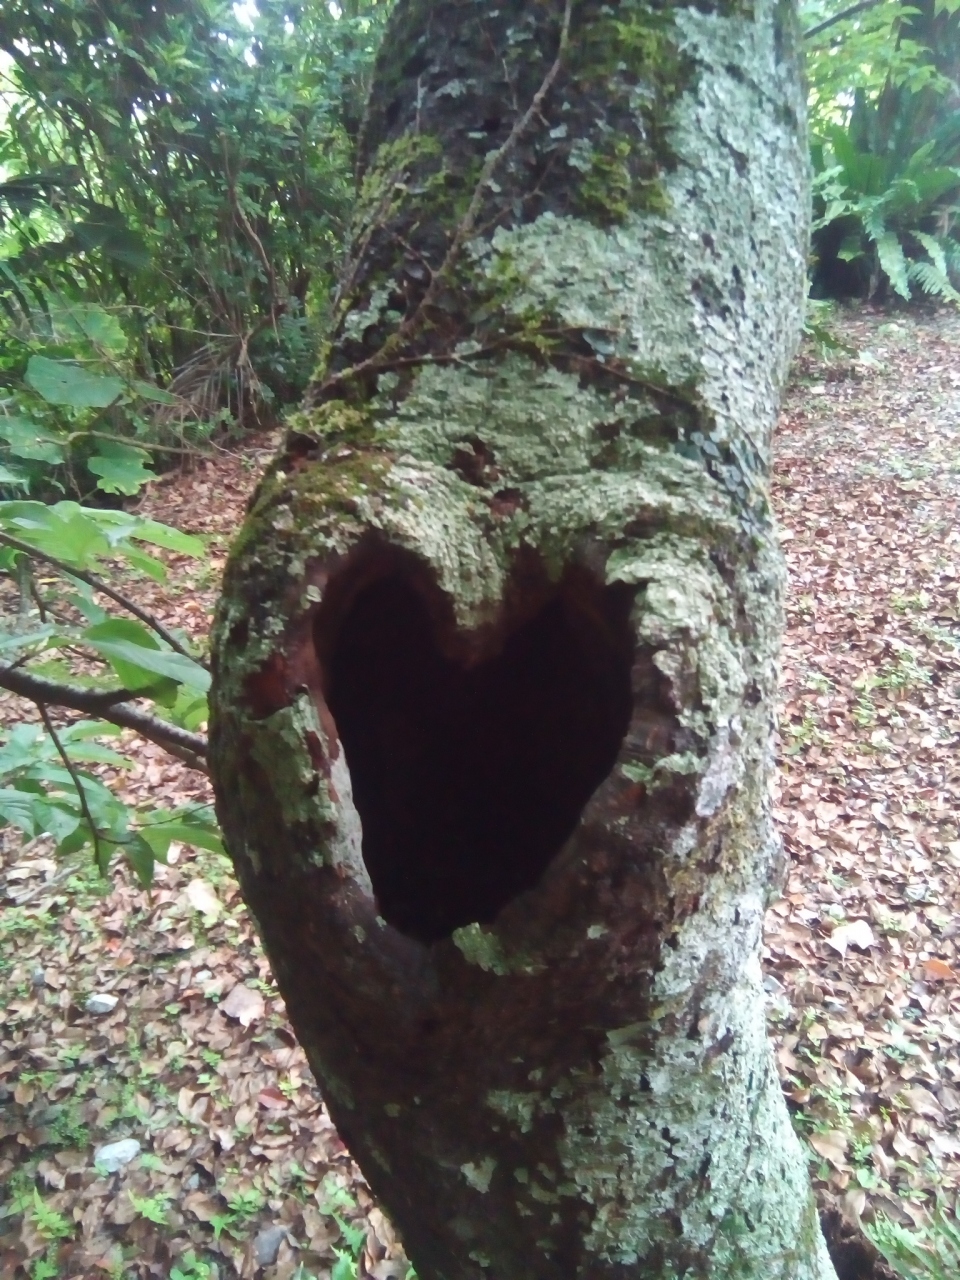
pixel 239 1171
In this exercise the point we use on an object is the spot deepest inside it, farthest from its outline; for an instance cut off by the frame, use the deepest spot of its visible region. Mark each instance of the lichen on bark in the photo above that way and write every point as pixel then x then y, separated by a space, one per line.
pixel 495 658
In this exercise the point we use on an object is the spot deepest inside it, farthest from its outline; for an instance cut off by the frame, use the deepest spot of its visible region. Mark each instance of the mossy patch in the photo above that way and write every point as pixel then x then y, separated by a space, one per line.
pixel 610 189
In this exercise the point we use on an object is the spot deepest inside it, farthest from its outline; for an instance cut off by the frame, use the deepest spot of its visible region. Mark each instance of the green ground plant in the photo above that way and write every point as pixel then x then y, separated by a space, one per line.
pixel 930 1252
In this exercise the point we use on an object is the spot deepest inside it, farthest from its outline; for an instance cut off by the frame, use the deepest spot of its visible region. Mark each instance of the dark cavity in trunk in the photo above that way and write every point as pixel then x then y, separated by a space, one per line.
pixel 472 757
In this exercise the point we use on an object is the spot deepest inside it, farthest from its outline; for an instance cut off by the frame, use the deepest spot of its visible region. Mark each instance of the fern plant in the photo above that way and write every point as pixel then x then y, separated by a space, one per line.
pixel 893 218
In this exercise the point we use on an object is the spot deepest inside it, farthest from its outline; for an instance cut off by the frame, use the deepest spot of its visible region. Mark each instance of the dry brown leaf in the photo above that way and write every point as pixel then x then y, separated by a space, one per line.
pixel 832 1145
pixel 856 933
pixel 202 896
pixel 935 970
pixel 243 1003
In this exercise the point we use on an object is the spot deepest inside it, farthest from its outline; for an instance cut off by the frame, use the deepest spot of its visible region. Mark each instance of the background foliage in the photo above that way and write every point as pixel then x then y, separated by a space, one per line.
pixel 174 186
pixel 183 173
pixel 885 125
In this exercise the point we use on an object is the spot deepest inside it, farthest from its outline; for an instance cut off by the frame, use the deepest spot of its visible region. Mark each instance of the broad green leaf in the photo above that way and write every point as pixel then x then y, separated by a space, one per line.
pixel 64 530
pixel 141 857
pixel 79 535
pixel 160 835
pixel 87 320
pixel 17 808
pixel 118 526
pixel 20 748
pixel 13 477
pixel 190 710
pixel 138 559
pixel 133 675
pixel 59 816
pixel 151 392
pixel 851 247
pixel 120 468
pixel 99 798
pixel 75 841
pixel 162 535
pixel 81 730
pixel 138 659
pixel 24 639
pixel 107 231
pixel 85 604
pixel 63 382
pixel 160 662
pixel 27 439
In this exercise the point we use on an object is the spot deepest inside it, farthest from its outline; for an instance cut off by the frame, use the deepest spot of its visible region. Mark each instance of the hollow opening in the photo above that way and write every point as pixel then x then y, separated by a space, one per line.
pixel 469 770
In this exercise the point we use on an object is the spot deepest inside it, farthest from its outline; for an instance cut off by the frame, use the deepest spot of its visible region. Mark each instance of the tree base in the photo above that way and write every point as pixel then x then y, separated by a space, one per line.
pixel 851 1253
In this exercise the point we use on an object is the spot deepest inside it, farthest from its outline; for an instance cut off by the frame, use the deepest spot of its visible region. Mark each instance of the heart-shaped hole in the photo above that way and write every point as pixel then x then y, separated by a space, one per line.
pixel 470 771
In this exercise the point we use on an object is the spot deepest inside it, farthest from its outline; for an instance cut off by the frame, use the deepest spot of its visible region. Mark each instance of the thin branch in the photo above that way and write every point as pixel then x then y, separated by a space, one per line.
pixel 77 780
pixel 137 444
pixel 109 705
pixel 840 17
pixel 410 325
pixel 98 584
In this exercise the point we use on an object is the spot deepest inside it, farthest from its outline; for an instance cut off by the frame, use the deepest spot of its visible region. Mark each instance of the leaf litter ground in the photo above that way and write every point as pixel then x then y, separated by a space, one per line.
pixel 240 1172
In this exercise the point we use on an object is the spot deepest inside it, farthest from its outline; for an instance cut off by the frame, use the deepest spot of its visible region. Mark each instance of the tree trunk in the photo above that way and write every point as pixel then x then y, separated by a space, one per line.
pixel 495 659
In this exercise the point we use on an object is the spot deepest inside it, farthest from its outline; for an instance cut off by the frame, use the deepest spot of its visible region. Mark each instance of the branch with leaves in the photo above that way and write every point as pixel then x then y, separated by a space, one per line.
pixel 112 705
pixel 842 16
pixel 114 665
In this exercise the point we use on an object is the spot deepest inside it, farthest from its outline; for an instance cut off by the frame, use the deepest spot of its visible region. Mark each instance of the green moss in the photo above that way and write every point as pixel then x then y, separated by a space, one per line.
pixel 631 54
pixel 654 776
pixel 298 507
pixel 404 166
pixel 335 421
pixel 485 949
pixel 610 191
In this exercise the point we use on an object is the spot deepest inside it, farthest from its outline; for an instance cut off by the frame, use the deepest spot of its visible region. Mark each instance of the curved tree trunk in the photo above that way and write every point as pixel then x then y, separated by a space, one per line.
pixel 495 656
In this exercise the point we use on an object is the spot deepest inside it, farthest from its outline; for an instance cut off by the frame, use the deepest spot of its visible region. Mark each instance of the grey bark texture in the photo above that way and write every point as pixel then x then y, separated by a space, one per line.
pixel 495 658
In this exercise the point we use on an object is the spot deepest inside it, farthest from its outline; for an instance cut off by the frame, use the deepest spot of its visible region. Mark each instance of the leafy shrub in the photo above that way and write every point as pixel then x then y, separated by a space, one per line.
pixel 73 413
pixel 63 648
pixel 886 217
pixel 191 164
pixel 886 146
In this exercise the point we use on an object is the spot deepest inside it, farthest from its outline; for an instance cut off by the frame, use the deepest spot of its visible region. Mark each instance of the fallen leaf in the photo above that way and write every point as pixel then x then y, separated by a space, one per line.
pixel 243 1003
pixel 271 1098
pixel 203 898
pixel 201 1205
pixel 922 1101
pixel 832 1145
pixel 935 970
pixel 857 933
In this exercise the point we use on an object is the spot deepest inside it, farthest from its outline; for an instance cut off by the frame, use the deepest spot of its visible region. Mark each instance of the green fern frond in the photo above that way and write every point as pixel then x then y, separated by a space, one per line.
pixel 894 263
pixel 932 281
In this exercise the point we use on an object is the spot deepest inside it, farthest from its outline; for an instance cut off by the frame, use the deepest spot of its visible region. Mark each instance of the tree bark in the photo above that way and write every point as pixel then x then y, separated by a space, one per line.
pixel 495 658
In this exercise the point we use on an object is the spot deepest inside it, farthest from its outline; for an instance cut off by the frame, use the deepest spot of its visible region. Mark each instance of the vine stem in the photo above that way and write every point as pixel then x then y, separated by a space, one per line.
pixel 77 781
